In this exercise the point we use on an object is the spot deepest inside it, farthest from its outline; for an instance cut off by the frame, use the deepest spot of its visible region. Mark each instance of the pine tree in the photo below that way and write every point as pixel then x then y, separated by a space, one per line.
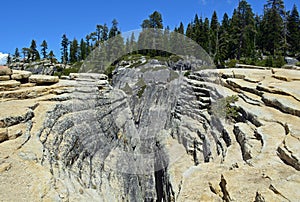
pixel 247 37
pixel 98 31
pixel 235 33
pixel 101 33
pixel 127 45
pixel 132 42
pixel 26 53
pixel 34 52
pixel 155 21
pixel 44 46
pixel 189 31
pixel 205 38
pixel 196 30
pixel 223 52
pixel 83 50
pixel 115 48
pixel 51 56
pixel 114 31
pixel 88 45
pixel 242 31
pixel 273 24
pixel 74 51
pixel 64 49
pixel 8 60
pixel 16 56
pixel 181 28
pixel 258 40
pixel 104 33
pixel 293 27
pixel 214 36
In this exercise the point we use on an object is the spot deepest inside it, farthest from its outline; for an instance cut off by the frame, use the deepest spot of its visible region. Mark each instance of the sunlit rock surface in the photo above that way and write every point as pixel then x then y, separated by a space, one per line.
pixel 151 134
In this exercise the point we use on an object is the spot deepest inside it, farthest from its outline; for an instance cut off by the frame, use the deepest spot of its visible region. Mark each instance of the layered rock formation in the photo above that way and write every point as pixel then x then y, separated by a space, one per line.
pixel 152 134
pixel 44 67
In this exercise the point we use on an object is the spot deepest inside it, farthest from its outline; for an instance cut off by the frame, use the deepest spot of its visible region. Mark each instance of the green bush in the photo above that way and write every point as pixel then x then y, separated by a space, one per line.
pixel 261 63
pixel 225 107
pixel 109 70
pixel 279 61
pixel 175 58
pixel 269 61
pixel 141 91
pixel 187 73
pixel 66 72
pixel 232 63
pixel 298 64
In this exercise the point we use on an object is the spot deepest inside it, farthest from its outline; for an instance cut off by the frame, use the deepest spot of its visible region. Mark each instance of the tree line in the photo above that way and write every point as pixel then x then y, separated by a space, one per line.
pixel 244 36
pixel 32 54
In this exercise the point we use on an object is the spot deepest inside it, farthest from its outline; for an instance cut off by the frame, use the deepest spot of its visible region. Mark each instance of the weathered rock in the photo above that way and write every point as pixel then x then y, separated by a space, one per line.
pixel 16 131
pixel 20 75
pixel 4 78
pixel 3 134
pixel 4 167
pixel 243 85
pixel 15 112
pixel 43 79
pixel 286 75
pixel 289 151
pixel 150 139
pixel 5 71
pixel 276 86
pixel 284 103
pixel 7 85
pixel 92 76
pixel 245 136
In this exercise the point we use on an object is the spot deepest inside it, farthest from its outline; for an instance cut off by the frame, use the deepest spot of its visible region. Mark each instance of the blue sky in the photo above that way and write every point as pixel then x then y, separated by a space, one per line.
pixel 24 20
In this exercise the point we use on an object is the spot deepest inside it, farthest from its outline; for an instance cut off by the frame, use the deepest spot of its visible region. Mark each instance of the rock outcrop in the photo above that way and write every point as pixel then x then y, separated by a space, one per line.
pixel 44 67
pixel 152 134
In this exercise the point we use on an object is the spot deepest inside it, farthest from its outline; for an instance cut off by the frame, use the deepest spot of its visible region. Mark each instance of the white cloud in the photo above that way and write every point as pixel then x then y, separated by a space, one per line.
pixel 3 58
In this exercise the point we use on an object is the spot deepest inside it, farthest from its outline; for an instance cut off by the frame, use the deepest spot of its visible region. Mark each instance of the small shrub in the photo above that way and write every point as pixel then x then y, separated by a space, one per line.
pixel 232 63
pixel 225 107
pixel 269 61
pixel 65 72
pixel 298 64
pixel 261 63
pixel 187 73
pixel 175 58
pixel 109 70
pixel 141 91
pixel 279 61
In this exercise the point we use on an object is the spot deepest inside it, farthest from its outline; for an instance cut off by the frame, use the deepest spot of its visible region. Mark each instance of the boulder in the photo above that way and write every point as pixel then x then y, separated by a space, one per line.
pixel 92 76
pixel 4 78
pixel 6 85
pixel 43 79
pixel 20 75
pixel 5 71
